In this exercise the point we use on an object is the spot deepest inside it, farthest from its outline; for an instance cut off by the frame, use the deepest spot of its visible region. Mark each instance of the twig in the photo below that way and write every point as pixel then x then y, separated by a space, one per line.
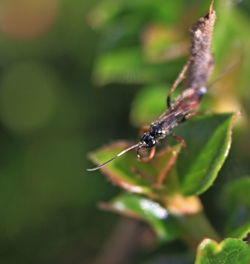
pixel 201 58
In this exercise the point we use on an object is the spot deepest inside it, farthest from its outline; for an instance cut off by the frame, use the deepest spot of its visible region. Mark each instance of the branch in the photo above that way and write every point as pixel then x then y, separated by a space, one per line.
pixel 201 58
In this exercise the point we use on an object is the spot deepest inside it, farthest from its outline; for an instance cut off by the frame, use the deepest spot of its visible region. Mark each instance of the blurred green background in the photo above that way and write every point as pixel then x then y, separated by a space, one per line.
pixel 60 98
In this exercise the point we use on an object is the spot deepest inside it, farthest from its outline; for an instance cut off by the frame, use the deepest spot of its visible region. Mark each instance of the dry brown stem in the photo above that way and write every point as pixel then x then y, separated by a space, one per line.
pixel 201 58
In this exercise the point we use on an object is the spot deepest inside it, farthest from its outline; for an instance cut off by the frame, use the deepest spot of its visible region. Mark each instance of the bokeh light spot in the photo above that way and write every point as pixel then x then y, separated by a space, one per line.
pixel 28 97
pixel 25 19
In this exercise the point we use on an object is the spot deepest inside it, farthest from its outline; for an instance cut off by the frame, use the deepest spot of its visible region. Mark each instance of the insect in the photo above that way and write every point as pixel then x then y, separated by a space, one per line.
pixel 199 67
pixel 183 107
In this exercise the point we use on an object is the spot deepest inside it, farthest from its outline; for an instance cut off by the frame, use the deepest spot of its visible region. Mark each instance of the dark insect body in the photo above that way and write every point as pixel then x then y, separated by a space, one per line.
pixel 198 68
pixel 179 111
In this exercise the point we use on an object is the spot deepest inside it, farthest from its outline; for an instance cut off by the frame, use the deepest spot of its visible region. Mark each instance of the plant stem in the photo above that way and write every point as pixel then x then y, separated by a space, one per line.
pixel 196 227
pixel 188 212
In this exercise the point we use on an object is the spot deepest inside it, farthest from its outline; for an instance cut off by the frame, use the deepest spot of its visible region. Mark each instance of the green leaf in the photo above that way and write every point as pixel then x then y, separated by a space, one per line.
pixel 134 176
pixel 231 28
pixel 147 210
pixel 105 13
pixel 235 194
pixel 121 171
pixel 236 201
pixel 208 141
pixel 148 104
pixel 162 43
pixel 242 231
pixel 222 33
pixel 125 66
pixel 229 251
pixel 109 12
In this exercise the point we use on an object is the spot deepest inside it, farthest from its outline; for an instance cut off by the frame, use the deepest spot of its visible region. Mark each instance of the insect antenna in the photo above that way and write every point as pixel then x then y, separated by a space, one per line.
pixel 223 73
pixel 115 157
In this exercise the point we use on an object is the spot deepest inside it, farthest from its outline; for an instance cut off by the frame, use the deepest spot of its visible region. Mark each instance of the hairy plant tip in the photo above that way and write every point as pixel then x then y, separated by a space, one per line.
pixel 201 59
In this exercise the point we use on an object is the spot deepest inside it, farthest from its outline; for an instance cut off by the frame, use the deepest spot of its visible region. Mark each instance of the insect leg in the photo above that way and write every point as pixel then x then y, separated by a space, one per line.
pixel 169 101
pixel 164 172
pixel 150 156
pixel 179 139
pixel 179 79
pixel 186 117
pixel 190 115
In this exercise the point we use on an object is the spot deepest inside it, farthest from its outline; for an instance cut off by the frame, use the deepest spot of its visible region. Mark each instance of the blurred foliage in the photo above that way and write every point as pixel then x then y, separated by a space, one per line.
pixel 54 54
pixel 235 199
pixel 152 59
pixel 228 251
pixel 145 209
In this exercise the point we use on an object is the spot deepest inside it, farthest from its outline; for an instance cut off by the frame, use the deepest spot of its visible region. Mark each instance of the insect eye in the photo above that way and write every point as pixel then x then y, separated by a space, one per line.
pixel 148 141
